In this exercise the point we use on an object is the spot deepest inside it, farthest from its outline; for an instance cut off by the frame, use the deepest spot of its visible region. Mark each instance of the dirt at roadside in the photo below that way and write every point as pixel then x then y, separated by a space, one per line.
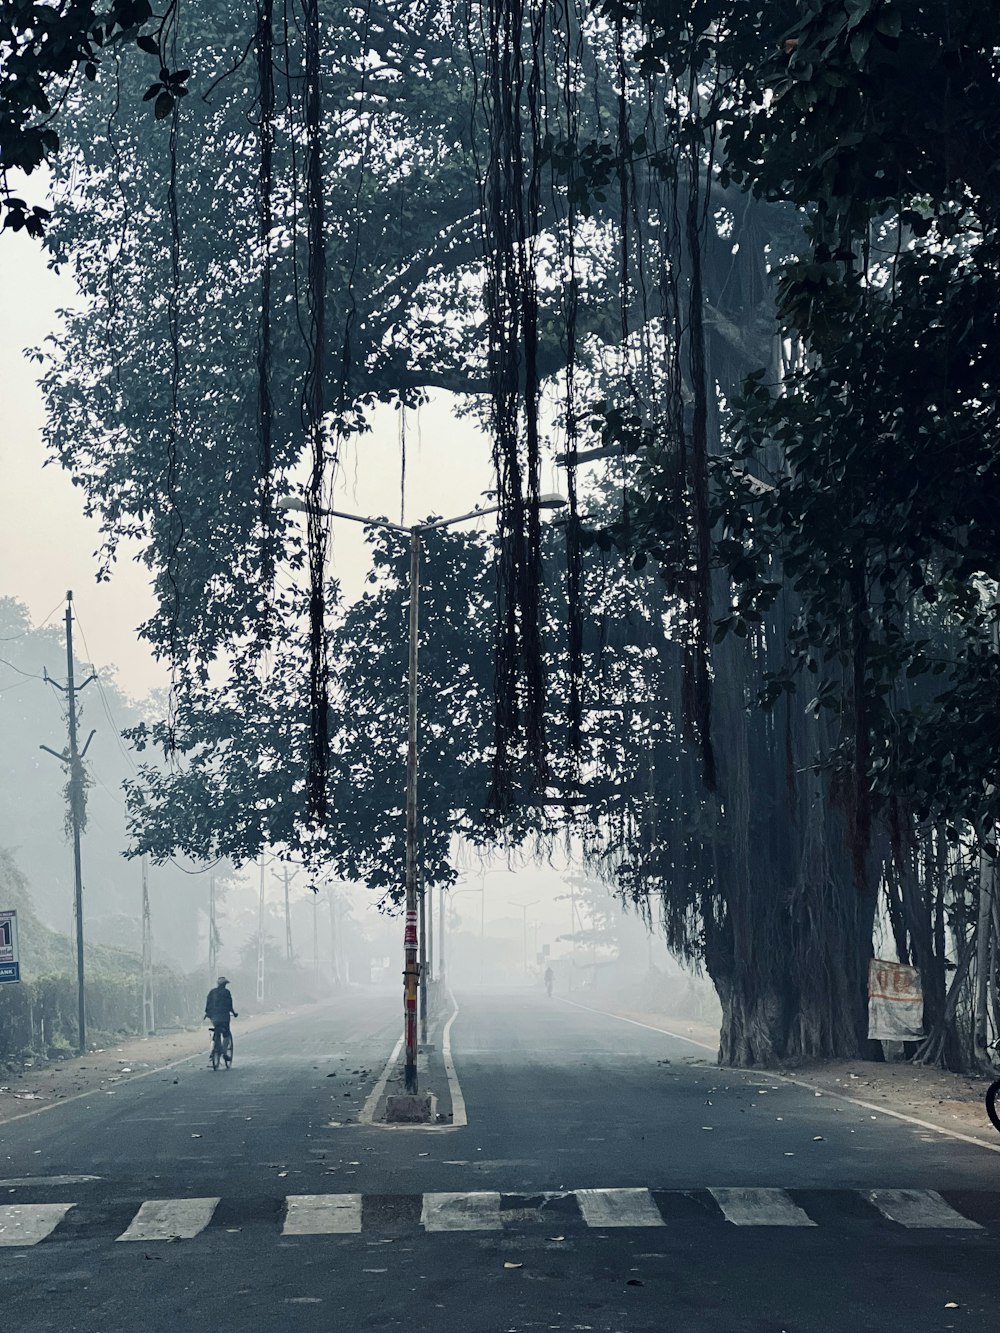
pixel 105 1069
pixel 950 1101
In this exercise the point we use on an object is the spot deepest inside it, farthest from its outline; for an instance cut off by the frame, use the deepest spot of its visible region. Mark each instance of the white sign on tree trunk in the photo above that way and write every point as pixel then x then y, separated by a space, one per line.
pixel 10 962
pixel 895 1002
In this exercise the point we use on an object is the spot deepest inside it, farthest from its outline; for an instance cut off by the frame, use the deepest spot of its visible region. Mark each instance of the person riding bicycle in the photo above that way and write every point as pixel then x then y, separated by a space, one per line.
pixel 548 981
pixel 219 1007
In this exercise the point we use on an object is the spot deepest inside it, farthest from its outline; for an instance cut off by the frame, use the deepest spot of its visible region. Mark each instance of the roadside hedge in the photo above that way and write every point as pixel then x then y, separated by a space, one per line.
pixel 39 1017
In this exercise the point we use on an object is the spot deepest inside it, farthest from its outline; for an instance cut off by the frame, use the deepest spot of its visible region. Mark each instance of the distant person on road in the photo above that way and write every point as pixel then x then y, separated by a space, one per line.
pixel 219 1006
pixel 548 982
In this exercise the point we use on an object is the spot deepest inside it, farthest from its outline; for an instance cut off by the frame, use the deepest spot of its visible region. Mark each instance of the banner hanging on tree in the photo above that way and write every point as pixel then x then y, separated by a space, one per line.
pixel 895 1002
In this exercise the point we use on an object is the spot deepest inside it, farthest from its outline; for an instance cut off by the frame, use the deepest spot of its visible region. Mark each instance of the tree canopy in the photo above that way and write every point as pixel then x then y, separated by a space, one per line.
pixel 747 257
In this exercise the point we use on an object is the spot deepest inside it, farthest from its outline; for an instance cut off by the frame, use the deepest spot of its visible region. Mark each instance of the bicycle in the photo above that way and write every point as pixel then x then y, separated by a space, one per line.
pixel 222 1046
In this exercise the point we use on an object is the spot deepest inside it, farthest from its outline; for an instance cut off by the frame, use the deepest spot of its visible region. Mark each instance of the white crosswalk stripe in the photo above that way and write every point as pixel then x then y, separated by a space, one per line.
pixel 619 1208
pixel 760 1208
pixel 170 1219
pixel 28 1223
pixel 919 1208
pixel 461 1212
pixel 322 1215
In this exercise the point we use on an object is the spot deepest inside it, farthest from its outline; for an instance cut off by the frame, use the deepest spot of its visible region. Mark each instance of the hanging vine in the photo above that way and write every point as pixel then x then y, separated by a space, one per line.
pixel 510 193
pixel 314 405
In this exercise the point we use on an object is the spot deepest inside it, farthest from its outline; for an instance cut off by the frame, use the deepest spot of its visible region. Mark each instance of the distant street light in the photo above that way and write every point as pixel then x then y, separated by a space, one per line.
pixel 415 532
pixel 524 927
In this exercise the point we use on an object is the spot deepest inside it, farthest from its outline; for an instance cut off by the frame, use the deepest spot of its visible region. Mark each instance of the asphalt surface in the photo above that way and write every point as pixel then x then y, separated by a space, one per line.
pixel 605 1182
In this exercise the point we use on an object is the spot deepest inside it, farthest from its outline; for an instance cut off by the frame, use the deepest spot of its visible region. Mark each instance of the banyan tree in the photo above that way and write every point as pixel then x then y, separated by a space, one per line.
pixel 572 217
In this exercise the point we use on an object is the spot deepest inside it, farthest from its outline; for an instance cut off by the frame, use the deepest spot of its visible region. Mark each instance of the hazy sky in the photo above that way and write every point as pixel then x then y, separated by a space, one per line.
pixel 47 545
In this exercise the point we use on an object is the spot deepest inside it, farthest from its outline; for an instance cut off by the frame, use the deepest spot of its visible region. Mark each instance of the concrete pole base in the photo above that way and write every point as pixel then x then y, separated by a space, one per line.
pixel 411 1108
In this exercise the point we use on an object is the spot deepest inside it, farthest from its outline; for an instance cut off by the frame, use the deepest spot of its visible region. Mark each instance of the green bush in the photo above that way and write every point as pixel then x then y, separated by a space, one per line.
pixel 40 1017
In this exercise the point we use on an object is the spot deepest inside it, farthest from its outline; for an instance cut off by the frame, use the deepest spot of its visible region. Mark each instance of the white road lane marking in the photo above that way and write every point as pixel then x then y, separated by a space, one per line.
pixel 322 1215
pixel 28 1223
pixel 606 1013
pixel 458 1111
pixel 919 1208
pixel 170 1219
pixel 760 1208
pixel 478 1211
pixel 619 1208
pixel 368 1110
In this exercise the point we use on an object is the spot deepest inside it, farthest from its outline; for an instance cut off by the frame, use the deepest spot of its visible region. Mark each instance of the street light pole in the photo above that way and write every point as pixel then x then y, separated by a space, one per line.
pixel 410 970
pixel 260 935
pixel 524 929
pixel 442 976
pixel 411 966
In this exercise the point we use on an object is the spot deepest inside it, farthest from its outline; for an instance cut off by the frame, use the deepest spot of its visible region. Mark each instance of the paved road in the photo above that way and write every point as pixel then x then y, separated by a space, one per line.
pixel 608 1180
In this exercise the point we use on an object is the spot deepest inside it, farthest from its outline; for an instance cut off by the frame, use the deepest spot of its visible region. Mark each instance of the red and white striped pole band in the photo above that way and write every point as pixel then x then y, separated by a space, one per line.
pixel 410 937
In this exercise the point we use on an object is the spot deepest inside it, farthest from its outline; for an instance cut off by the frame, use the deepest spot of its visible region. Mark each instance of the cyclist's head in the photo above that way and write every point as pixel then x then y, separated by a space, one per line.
pixel 223 981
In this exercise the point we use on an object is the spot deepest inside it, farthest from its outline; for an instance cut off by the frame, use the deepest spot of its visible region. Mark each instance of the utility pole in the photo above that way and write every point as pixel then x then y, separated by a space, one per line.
pixel 260 935
pixel 73 758
pixel 423 963
pixel 331 903
pixel 213 947
pixel 411 966
pixel 441 931
pixel 524 929
pixel 430 935
pixel 315 894
pixel 289 951
pixel 572 933
pixel 148 1016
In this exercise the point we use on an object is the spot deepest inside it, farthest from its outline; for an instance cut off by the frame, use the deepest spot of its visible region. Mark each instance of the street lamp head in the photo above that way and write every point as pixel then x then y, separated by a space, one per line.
pixel 551 501
pixel 291 502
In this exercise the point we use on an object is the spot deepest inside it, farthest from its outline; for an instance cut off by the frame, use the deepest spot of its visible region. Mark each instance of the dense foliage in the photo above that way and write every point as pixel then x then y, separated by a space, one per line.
pixel 756 249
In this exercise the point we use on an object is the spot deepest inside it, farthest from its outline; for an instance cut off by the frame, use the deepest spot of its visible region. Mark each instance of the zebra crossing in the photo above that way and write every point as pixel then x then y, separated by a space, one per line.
pixel 303 1215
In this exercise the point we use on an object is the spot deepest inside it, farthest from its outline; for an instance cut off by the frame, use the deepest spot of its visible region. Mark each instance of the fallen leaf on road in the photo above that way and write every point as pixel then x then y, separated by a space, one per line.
pixel 508 1264
pixel 634 1282
pixel 817 1138
pixel 282 1173
pixel 708 1126
pixel 556 1238
pixel 951 1305
pixel 196 1136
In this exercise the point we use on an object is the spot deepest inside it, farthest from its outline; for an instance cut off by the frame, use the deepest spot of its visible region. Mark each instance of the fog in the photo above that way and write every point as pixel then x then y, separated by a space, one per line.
pixel 502 925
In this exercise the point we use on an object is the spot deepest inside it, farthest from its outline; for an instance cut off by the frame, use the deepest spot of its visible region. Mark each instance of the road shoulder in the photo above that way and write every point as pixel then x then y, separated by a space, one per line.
pixel 945 1101
pixel 104 1069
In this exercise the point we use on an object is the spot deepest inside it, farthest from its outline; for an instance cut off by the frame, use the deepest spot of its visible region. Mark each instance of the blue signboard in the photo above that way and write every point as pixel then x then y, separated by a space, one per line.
pixel 10 965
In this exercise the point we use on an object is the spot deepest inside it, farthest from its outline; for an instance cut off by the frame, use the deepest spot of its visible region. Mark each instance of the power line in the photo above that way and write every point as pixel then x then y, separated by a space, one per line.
pixel 32 629
pixel 31 675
